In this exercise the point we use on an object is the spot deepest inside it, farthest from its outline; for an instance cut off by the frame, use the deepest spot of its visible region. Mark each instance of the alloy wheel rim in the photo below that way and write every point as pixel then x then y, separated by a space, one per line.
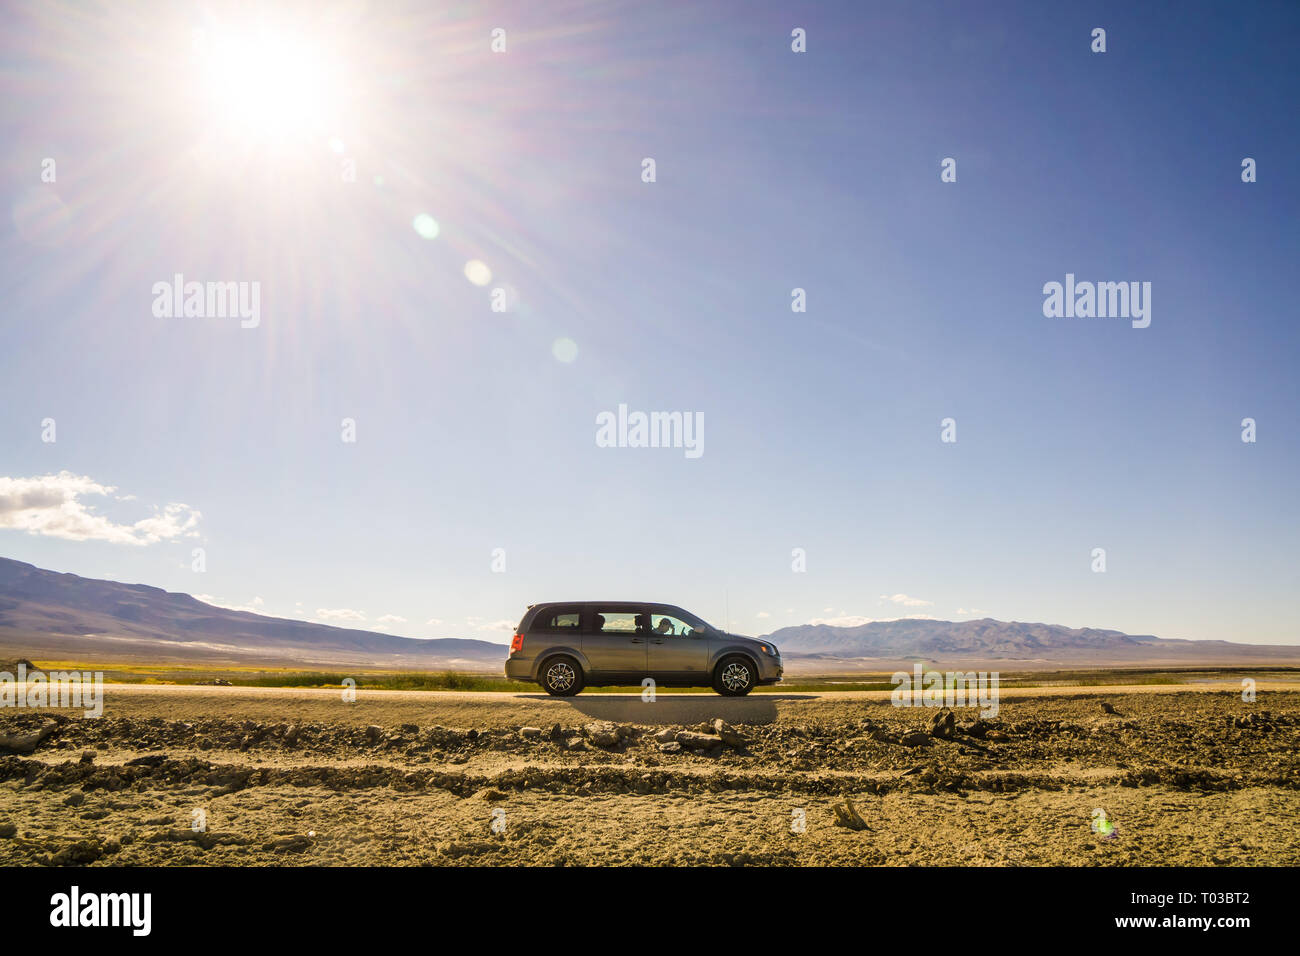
pixel 560 676
pixel 735 677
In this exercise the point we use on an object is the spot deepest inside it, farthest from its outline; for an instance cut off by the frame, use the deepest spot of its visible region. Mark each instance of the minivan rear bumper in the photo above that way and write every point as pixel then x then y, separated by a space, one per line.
pixel 518 668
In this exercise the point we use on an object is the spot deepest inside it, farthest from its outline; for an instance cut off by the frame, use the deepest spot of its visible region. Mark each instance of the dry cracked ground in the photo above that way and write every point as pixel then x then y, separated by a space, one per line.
pixel 229 777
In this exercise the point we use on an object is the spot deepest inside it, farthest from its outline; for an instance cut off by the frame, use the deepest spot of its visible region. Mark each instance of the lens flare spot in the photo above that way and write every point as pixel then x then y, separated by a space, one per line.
pixel 425 226
pixel 477 272
pixel 565 350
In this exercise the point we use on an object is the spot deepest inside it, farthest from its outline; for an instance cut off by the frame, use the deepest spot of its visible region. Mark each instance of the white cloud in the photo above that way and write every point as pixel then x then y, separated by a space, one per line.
pixel 392 619
pixel 905 600
pixel 847 621
pixel 761 614
pixel 433 622
pixel 339 614
pixel 497 626
pixel 256 606
pixel 53 505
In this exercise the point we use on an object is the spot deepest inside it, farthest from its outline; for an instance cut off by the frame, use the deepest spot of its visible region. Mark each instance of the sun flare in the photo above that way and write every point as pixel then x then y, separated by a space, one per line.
pixel 266 86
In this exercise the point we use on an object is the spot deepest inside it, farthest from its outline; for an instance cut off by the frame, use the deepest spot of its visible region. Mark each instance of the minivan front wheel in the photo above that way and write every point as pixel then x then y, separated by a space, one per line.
pixel 734 677
pixel 562 676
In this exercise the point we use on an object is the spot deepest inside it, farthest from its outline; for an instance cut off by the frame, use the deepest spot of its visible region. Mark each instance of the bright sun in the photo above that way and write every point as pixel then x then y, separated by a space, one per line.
pixel 263 86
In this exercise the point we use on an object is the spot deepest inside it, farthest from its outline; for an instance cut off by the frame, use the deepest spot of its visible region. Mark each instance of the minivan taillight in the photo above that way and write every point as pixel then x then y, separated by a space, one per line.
pixel 517 643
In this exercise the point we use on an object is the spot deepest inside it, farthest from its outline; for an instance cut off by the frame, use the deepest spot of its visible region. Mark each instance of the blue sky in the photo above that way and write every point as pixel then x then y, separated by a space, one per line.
pixel 774 170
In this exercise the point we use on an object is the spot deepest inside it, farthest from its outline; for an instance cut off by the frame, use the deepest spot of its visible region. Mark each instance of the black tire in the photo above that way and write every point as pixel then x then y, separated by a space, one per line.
pixel 561 676
pixel 730 680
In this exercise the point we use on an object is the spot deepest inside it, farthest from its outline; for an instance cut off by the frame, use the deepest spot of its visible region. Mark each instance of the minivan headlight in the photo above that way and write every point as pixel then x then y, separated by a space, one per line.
pixel 769 650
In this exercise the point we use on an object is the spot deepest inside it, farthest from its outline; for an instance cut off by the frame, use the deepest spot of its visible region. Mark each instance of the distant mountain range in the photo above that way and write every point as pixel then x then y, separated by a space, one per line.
pixel 47 615
pixel 1013 642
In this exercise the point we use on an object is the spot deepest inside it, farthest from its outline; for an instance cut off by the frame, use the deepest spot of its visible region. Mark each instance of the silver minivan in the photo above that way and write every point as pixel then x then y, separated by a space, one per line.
pixel 565 646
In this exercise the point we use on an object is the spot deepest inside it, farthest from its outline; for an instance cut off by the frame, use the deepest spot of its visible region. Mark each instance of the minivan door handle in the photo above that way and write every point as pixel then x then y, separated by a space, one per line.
pixel 637 640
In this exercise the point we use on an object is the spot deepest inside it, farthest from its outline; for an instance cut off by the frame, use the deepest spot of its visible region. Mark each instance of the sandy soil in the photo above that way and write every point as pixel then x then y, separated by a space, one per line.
pixel 1186 775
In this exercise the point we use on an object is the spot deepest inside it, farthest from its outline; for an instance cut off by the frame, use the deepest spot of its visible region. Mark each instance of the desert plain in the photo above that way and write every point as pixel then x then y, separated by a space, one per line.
pixel 1186 774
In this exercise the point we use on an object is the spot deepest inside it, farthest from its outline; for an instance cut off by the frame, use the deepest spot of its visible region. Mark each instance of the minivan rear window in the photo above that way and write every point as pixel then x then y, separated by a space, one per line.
pixel 559 619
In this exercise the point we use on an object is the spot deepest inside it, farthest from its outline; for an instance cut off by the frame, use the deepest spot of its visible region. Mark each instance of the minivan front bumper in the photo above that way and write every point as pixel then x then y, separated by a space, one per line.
pixel 769 670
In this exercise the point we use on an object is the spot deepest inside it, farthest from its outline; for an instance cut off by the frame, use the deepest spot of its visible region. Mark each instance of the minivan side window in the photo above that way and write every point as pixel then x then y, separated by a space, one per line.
pixel 561 619
pixel 620 622
pixel 665 625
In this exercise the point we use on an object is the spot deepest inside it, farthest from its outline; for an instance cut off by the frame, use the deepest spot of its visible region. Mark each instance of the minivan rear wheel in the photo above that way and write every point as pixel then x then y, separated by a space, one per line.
pixel 734 676
pixel 561 676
